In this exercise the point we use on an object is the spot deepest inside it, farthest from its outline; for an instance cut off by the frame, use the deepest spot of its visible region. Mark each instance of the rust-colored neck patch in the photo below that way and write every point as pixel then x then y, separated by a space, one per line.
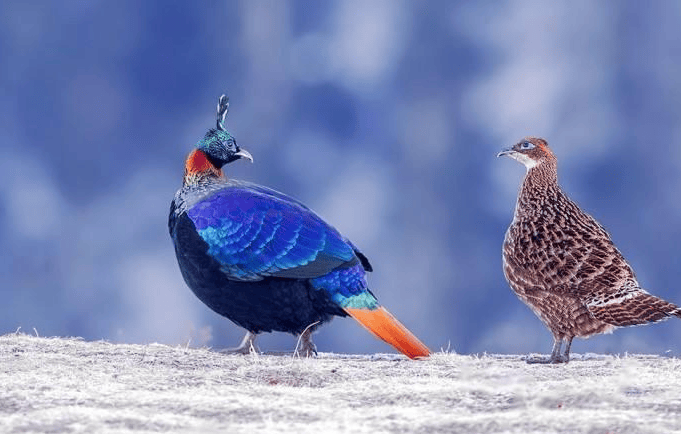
pixel 198 166
pixel 197 161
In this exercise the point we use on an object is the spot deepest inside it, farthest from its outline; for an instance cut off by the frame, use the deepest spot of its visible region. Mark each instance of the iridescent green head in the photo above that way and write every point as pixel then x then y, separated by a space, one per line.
pixel 218 145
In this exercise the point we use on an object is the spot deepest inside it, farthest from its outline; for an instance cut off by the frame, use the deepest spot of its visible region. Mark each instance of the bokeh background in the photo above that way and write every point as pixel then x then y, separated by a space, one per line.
pixel 383 116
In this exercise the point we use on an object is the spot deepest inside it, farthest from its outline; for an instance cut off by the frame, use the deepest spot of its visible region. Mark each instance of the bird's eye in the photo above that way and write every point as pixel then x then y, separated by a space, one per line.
pixel 526 145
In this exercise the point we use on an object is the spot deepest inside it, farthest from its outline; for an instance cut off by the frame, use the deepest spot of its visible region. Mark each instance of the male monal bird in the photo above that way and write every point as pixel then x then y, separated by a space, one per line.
pixel 563 264
pixel 266 261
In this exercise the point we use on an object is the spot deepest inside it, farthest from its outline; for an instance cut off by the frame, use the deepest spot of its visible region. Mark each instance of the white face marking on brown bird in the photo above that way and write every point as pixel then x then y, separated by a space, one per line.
pixel 530 151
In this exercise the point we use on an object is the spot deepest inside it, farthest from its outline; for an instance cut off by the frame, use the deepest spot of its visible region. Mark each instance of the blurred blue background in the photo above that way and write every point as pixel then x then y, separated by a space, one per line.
pixel 383 116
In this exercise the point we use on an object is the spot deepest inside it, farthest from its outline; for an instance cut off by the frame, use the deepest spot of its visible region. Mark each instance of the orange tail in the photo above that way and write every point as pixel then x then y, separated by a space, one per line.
pixel 383 325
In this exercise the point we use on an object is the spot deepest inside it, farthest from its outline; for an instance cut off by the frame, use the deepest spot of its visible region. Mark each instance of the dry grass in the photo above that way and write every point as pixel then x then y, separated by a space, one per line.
pixel 68 385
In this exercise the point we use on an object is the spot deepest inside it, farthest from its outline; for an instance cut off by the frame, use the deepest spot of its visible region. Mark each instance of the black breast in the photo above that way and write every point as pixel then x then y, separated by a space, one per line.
pixel 271 304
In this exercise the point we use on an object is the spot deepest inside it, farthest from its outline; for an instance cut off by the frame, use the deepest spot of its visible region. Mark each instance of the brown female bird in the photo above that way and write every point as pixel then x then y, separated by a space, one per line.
pixel 563 264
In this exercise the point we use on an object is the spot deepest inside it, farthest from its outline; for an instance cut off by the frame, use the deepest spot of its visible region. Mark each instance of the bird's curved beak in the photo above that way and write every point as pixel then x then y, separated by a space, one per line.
pixel 506 151
pixel 242 153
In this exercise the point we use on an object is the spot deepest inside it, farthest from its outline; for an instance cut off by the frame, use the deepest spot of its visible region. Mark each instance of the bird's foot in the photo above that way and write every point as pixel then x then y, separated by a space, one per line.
pixel 306 350
pixel 547 360
pixel 305 347
pixel 246 347
pixel 239 350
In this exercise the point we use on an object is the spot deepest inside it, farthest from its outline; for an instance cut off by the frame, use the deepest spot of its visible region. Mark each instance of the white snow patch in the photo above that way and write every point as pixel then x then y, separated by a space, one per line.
pixel 101 387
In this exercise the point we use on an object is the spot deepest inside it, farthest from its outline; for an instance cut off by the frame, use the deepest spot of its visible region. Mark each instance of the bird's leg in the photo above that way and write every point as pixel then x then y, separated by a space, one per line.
pixel 566 353
pixel 305 347
pixel 557 344
pixel 247 344
pixel 555 354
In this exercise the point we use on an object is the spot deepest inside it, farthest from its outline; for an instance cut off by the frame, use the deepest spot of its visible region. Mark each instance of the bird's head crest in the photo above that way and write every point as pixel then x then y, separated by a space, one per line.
pixel 218 144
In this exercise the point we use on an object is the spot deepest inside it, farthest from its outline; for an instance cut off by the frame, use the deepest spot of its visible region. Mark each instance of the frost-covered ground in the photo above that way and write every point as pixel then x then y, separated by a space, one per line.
pixel 69 385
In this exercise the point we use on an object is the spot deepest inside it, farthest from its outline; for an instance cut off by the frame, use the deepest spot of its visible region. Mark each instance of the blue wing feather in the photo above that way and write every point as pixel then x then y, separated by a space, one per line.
pixel 257 232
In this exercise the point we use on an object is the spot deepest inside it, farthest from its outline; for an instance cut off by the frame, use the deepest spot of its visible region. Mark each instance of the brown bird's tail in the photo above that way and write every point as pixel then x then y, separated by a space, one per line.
pixel 677 312
pixel 386 327
pixel 643 308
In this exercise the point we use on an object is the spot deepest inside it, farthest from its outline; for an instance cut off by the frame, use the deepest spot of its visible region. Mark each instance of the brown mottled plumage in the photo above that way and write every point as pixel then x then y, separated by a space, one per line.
pixel 563 264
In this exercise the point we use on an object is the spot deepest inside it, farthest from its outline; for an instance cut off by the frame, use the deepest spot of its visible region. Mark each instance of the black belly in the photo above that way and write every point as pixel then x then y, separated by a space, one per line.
pixel 271 304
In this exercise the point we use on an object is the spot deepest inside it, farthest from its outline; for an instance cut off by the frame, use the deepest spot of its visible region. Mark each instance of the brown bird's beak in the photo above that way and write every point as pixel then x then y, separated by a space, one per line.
pixel 242 153
pixel 506 151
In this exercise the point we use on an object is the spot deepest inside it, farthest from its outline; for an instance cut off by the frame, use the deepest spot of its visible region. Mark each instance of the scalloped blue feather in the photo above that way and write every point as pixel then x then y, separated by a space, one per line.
pixel 254 232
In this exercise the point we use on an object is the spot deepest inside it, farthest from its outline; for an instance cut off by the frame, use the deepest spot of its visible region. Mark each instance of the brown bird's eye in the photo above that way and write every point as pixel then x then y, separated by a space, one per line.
pixel 526 145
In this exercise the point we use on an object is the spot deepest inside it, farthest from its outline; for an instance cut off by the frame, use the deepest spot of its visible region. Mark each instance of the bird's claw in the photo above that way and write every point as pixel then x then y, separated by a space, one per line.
pixel 553 360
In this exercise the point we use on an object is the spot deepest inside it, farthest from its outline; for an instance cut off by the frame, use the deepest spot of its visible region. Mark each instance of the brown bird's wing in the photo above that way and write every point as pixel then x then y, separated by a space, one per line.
pixel 604 280
pixel 565 251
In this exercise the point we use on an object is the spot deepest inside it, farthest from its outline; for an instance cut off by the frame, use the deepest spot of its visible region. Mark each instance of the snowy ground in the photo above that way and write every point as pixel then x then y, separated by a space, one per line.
pixel 68 385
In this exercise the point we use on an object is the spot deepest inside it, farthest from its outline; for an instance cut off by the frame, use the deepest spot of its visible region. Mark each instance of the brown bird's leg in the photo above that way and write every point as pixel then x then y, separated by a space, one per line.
pixel 556 357
pixel 306 347
pixel 555 354
pixel 245 347
pixel 566 353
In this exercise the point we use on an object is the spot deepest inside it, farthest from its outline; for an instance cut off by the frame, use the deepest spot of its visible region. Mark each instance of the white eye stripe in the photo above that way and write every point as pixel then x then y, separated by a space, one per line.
pixel 526 145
